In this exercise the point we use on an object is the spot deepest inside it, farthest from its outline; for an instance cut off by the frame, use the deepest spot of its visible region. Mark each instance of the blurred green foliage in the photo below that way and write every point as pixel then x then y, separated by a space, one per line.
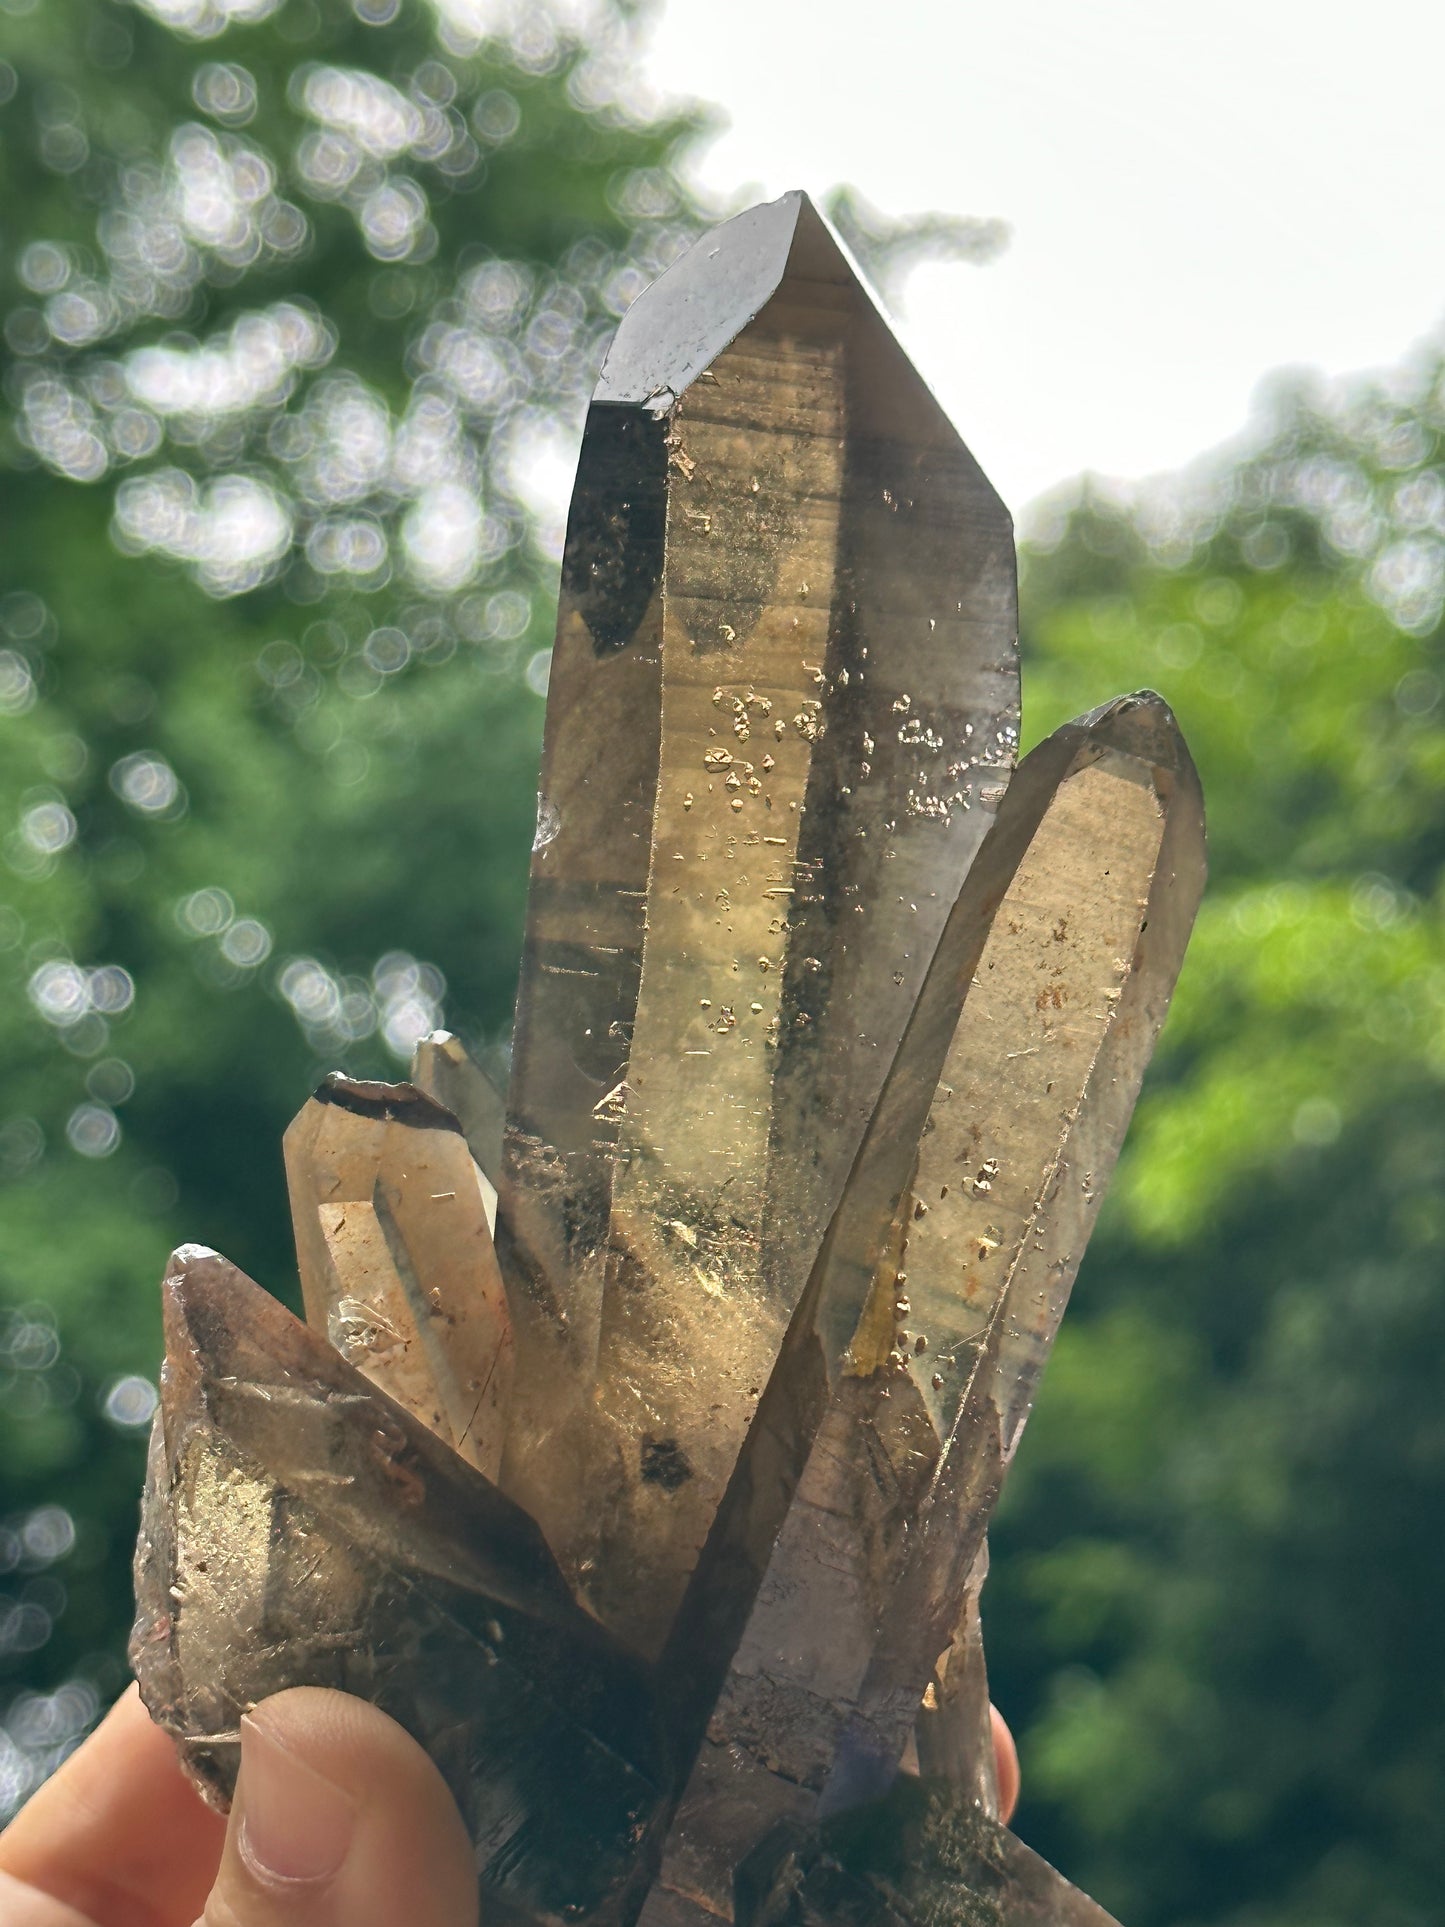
pixel 300 303
pixel 1212 1610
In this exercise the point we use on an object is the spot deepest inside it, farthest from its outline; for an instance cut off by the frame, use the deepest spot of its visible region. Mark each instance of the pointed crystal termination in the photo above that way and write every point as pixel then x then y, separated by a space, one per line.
pixel 393 1239
pixel 1015 1080
pixel 441 1067
pixel 300 1528
pixel 783 707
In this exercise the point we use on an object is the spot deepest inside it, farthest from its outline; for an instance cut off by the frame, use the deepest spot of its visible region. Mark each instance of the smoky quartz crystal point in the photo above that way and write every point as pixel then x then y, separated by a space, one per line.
pixel 638 1447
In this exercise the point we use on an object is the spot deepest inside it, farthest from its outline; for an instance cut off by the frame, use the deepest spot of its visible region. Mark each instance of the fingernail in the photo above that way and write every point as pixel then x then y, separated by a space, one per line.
pixel 295 1824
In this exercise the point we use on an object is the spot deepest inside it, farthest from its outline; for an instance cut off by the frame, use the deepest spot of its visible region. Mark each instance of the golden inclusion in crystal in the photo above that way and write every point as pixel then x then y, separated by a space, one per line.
pixel 639 1450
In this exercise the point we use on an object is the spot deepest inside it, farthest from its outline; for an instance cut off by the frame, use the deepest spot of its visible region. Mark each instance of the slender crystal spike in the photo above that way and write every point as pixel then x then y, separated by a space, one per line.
pixel 1023 1134
pixel 782 709
pixel 395 1251
pixel 298 1527
pixel 1053 976
pixel 442 1069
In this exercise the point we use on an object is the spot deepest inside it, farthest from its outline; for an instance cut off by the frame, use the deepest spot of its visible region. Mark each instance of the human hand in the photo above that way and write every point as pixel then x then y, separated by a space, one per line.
pixel 1005 1765
pixel 340 1820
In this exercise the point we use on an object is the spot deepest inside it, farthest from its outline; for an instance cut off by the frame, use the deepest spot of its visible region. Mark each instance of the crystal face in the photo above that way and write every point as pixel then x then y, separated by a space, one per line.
pixel 395 1250
pixel 638 1450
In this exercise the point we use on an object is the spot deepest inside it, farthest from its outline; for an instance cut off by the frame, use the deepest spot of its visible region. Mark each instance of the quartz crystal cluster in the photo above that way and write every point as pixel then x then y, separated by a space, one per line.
pixel 639 1443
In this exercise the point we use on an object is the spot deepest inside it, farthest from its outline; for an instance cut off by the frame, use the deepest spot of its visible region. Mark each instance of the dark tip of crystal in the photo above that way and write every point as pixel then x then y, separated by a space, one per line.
pixel 617 531
pixel 191 1272
pixel 388 1103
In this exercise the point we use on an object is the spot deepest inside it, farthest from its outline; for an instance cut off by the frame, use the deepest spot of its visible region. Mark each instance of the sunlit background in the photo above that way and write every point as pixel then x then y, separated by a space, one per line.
pixel 301 303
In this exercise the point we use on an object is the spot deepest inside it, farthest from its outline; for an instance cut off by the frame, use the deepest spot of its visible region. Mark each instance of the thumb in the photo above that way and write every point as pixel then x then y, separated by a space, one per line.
pixel 339 1820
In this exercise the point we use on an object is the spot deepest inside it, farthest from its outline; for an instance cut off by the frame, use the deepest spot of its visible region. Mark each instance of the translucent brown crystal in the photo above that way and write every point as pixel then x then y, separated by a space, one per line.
pixel 951 1259
pixel 783 705
pixel 299 1526
pixel 441 1068
pixel 639 1449
pixel 397 1265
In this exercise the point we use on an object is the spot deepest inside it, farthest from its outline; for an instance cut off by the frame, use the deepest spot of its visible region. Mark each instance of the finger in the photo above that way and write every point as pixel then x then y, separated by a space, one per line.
pixel 1005 1765
pixel 340 1820
pixel 118 1835
pixel 28 1907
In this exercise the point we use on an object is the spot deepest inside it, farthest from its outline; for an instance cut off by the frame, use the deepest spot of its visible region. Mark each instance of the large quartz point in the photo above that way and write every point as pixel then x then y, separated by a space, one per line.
pixel 782 710
pixel 639 1449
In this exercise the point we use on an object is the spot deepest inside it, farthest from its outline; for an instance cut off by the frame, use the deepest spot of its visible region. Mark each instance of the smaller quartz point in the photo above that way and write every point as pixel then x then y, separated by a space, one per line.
pixel 1053 976
pixel 299 1528
pixel 441 1067
pixel 393 1239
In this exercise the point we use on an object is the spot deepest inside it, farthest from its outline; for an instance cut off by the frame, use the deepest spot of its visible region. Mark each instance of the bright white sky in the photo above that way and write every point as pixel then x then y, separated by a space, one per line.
pixel 1199 193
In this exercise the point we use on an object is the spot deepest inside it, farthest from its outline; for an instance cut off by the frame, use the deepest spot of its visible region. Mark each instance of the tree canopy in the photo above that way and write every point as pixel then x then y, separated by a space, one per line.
pixel 300 301
pixel 300 307
pixel 1214 1569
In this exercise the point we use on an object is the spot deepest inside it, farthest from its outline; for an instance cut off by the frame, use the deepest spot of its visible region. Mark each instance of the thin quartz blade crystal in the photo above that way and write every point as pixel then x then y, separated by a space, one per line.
pixel 782 709
pixel 1053 977
pixel 299 1528
pixel 394 1244
pixel 1020 1143
pixel 442 1068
